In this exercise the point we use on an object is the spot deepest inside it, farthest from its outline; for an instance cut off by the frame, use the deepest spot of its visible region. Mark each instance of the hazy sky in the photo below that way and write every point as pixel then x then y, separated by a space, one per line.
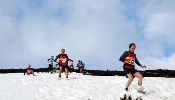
pixel 95 31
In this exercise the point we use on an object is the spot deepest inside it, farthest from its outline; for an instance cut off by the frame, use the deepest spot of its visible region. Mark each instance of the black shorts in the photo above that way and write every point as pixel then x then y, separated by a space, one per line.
pixel 68 68
pixel 64 66
pixel 129 71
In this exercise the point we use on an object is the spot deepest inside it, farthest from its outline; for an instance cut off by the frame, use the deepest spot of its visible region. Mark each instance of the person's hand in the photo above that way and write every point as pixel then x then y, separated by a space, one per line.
pixel 143 66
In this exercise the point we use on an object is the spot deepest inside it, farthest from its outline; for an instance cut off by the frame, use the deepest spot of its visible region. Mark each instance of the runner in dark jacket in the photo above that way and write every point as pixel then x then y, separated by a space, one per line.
pixel 71 66
pixel 129 59
pixel 51 60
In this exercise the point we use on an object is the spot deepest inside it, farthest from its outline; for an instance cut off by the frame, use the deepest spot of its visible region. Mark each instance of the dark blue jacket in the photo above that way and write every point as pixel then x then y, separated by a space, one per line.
pixel 124 55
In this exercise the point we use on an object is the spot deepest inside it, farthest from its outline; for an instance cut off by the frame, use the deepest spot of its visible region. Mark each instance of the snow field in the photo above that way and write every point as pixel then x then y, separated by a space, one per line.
pixel 46 86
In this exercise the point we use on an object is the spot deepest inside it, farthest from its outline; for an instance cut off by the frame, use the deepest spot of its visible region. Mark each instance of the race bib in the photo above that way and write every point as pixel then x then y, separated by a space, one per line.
pixel 132 62
pixel 64 60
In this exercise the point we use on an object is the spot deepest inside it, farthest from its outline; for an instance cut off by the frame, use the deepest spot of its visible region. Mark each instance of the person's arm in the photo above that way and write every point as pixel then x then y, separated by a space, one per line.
pixel 77 65
pixel 138 63
pixel 58 56
pixel 123 56
pixel 83 65
pixel 68 58
pixel 48 59
pixel 71 60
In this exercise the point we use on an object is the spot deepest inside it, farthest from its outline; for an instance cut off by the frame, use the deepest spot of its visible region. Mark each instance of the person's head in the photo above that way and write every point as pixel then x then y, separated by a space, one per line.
pixel 29 66
pixel 52 56
pixel 78 60
pixel 62 51
pixel 132 47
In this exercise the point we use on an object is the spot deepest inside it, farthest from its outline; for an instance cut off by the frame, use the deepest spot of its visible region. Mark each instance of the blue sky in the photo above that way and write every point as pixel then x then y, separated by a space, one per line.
pixel 97 32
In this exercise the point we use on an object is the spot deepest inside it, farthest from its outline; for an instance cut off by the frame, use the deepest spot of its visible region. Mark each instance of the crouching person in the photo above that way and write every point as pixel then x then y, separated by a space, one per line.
pixel 29 71
pixel 80 66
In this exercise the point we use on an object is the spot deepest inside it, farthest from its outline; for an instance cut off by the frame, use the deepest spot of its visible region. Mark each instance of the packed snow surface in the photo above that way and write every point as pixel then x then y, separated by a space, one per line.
pixel 46 86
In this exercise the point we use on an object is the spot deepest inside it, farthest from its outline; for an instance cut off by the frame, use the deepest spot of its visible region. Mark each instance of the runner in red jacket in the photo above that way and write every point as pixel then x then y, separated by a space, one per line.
pixel 63 62
pixel 129 59
pixel 29 71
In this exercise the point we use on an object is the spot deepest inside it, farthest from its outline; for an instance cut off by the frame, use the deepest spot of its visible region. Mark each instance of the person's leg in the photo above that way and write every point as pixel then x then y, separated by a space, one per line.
pixel 60 71
pixel 81 70
pixel 69 70
pixel 32 72
pixel 66 72
pixel 51 69
pixel 63 70
pixel 139 76
pixel 78 69
pixel 129 80
pixel 27 73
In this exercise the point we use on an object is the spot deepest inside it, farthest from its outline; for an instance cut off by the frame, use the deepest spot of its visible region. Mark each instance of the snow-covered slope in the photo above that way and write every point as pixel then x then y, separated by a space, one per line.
pixel 45 86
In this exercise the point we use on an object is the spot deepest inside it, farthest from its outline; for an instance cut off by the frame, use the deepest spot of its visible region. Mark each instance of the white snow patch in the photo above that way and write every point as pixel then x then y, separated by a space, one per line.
pixel 45 86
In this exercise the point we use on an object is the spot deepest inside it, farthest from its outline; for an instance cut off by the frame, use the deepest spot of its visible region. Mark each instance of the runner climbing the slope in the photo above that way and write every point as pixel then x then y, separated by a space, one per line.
pixel 50 60
pixel 129 59
pixel 71 66
pixel 63 63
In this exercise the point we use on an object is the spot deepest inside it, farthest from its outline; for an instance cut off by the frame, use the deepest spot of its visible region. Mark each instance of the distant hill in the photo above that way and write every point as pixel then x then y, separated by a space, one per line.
pixel 147 73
